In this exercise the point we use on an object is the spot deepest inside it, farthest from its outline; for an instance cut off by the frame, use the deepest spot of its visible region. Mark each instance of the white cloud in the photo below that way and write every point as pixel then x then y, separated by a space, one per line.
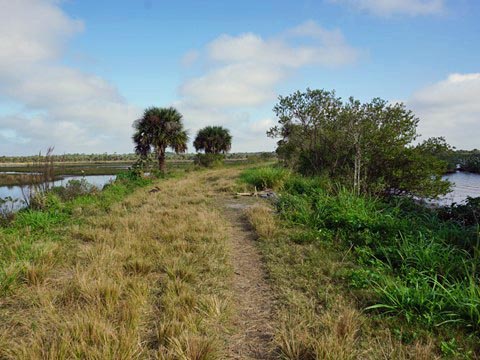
pixel 61 106
pixel 234 85
pixel 244 72
pixel 190 58
pixel 394 7
pixel 330 48
pixel 32 31
pixel 262 126
pixel 450 108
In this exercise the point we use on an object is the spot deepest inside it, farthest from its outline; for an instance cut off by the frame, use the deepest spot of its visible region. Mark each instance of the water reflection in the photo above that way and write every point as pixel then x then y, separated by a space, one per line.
pixel 15 192
pixel 464 184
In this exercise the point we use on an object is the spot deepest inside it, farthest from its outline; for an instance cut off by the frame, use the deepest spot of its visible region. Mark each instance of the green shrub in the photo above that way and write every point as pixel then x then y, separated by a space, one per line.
pixel 209 160
pixel 74 188
pixel 266 177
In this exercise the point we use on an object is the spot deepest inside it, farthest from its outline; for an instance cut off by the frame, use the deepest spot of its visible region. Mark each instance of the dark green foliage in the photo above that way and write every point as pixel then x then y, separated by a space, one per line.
pixel 467 214
pixel 472 163
pixel 159 129
pixel 466 160
pixel 213 140
pixel 209 159
pixel 366 146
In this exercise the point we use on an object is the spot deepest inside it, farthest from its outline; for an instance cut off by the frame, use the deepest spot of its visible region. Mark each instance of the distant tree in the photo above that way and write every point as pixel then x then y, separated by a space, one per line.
pixel 157 130
pixel 368 145
pixel 213 140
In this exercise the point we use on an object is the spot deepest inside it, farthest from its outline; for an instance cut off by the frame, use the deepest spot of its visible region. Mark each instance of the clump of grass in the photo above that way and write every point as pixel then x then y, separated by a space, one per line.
pixel 262 219
pixel 74 188
pixel 265 177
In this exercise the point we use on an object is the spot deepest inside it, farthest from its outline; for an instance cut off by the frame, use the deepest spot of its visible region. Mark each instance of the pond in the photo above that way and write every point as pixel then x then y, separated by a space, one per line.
pixel 464 184
pixel 15 192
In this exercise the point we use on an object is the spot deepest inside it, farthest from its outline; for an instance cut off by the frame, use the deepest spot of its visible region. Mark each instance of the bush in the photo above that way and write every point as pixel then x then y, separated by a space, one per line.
pixel 209 160
pixel 74 188
pixel 266 177
pixel 132 174
pixel 467 214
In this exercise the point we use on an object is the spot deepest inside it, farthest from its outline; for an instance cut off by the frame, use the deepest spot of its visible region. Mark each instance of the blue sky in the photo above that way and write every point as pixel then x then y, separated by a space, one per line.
pixel 75 74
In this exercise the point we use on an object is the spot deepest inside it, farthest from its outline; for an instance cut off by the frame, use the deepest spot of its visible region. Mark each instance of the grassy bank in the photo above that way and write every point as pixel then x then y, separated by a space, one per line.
pixel 132 272
pixel 360 277
pixel 36 234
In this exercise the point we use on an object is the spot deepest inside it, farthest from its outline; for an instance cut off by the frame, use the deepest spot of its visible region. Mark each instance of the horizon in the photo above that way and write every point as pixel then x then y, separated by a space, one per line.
pixel 76 74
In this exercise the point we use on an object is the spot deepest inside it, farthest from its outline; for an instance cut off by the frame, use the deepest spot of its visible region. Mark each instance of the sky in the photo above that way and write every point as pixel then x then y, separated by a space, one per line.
pixel 75 74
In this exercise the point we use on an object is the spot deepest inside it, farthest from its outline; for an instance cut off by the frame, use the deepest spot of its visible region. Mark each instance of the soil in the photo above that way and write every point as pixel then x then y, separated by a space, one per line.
pixel 253 321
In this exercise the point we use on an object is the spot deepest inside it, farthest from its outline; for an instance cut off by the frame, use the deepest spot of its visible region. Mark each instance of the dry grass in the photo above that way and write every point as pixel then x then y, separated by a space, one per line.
pixel 144 279
pixel 318 318
pixel 150 278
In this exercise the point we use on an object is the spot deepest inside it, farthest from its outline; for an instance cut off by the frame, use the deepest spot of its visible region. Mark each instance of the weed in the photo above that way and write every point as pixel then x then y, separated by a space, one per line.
pixel 265 177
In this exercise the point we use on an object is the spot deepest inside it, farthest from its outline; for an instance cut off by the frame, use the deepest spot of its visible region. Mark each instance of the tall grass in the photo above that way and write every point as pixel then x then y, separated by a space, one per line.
pixel 421 264
pixel 265 177
pixel 424 275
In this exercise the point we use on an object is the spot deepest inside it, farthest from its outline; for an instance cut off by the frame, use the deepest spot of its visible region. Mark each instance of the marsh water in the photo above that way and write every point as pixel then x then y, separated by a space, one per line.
pixel 15 192
pixel 464 184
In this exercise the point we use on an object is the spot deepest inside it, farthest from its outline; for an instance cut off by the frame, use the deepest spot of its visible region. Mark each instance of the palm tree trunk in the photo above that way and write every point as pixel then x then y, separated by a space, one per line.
pixel 161 159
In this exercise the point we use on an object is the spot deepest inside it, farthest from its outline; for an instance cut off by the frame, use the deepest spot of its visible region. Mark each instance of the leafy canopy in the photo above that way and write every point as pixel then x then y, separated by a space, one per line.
pixel 158 129
pixel 366 145
pixel 213 140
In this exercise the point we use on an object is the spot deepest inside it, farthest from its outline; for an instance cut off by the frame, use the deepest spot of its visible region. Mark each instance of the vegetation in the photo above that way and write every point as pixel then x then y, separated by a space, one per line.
pixel 213 140
pixel 89 161
pixel 464 160
pixel 357 269
pixel 366 146
pixel 336 249
pixel 209 160
pixel 471 162
pixel 35 228
pixel 125 273
pixel 159 128
pixel 418 264
pixel 263 178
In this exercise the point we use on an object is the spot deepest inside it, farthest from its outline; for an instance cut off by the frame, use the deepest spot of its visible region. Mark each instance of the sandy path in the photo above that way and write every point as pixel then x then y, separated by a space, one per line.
pixel 252 337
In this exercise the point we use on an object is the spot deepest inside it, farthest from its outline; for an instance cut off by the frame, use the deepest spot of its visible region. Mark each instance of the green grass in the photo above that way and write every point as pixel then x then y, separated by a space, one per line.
pixel 412 265
pixel 265 177
pixel 32 234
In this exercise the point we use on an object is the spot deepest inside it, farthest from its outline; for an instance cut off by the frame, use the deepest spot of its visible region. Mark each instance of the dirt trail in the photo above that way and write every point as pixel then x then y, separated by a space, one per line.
pixel 252 338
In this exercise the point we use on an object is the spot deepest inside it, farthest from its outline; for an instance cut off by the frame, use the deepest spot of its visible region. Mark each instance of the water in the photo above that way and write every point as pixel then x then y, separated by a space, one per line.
pixel 464 184
pixel 15 192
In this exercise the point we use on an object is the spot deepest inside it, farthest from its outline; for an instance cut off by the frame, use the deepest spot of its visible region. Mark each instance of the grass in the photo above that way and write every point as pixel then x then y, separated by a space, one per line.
pixel 127 274
pixel 318 316
pixel 265 177
pixel 143 270
pixel 368 261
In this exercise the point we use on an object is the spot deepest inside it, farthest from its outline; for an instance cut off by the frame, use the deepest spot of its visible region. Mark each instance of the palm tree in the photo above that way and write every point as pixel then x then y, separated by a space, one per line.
pixel 213 140
pixel 159 129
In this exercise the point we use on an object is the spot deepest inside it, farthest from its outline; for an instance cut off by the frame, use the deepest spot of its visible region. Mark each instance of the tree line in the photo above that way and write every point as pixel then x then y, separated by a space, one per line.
pixel 371 147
